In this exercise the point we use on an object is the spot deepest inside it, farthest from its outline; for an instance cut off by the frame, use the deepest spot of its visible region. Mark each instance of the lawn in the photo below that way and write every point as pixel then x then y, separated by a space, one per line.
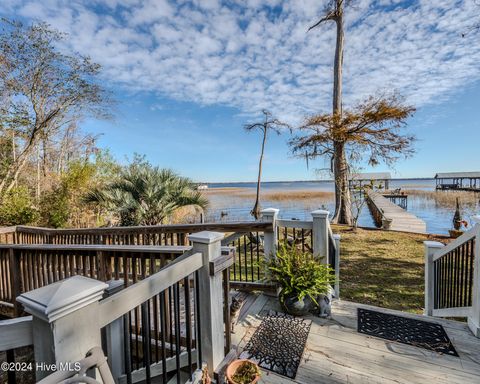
pixel 382 268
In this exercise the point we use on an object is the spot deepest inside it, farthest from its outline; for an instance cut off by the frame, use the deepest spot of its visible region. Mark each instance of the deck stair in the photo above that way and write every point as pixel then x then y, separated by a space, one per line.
pixel 391 216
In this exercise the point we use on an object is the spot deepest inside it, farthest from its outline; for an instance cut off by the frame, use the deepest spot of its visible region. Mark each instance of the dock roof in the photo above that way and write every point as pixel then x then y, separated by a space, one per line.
pixel 371 176
pixel 458 175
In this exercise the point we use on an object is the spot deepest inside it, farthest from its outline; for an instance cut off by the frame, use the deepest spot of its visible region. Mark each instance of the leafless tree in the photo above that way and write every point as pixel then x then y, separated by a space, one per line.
pixel 42 92
pixel 268 124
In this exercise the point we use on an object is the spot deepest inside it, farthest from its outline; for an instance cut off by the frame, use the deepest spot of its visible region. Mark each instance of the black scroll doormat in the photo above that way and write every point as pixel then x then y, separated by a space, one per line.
pixel 278 343
pixel 418 333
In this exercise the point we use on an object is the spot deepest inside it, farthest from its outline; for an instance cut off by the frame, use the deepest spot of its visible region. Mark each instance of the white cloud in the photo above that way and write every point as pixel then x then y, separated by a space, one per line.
pixel 257 54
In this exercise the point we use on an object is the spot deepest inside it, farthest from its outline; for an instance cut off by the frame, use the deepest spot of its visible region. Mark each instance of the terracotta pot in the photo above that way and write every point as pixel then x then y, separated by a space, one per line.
pixel 232 368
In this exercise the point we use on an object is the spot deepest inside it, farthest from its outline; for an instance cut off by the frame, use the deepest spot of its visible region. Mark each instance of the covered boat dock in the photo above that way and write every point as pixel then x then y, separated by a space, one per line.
pixel 460 181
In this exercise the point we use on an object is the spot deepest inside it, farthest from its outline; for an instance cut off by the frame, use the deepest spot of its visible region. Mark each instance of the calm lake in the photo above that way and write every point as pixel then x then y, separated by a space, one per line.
pixel 233 201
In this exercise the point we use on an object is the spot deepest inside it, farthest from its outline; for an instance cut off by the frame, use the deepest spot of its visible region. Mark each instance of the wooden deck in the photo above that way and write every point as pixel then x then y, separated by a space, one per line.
pixel 402 220
pixel 337 353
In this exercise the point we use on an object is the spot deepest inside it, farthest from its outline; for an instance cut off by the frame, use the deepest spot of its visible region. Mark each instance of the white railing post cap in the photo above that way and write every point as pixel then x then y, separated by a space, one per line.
pixel 320 213
pixel 269 211
pixel 433 244
pixel 336 236
pixel 59 299
pixel 206 237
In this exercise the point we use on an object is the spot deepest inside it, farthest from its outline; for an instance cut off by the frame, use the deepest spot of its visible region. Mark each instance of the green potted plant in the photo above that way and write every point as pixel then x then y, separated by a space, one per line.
pixel 243 371
pixel 302 279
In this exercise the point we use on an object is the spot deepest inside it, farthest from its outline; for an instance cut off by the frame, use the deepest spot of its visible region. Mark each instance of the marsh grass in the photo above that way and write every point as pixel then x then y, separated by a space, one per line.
pixel 273 195
pixel 448 198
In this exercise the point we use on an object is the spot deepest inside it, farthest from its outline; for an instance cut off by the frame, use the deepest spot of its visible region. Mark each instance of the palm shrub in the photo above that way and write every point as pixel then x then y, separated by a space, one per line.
pixel 146 195
pixel 299 274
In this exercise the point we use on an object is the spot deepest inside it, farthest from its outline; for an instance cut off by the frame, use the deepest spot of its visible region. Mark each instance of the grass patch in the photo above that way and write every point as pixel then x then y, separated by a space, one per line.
pixel 382 268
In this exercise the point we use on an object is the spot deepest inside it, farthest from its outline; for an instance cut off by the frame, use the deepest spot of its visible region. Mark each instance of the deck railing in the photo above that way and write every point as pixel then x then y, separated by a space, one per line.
pixel 452 278
pixel 164 325
pixel 133 253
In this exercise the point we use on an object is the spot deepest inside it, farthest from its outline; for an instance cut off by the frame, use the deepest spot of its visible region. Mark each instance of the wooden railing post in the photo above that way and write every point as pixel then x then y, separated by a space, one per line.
pixel 270 215
pixel 320 235
pixel 210 307
pixel 65 320
pixel 15 279
pixel 430 248
pixel 474 318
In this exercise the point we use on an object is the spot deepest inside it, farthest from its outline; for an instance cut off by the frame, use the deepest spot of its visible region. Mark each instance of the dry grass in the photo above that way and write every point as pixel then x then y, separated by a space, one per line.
pixel 447 198
pixel 274 195
pixel 382 268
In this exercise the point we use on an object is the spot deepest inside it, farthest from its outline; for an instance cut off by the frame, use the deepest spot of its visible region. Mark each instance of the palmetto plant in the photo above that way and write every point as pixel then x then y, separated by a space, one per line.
pixel 146 195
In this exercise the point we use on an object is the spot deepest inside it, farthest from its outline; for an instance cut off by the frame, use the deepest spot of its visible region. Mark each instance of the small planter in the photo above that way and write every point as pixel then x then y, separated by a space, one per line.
pixel 250 370
pixel 296 307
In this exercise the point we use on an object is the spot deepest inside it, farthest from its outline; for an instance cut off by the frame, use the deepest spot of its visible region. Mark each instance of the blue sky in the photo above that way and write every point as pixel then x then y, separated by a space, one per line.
pixel 189 74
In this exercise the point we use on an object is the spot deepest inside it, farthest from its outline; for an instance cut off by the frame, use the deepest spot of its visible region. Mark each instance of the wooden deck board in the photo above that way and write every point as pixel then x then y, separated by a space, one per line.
pixel 337 353
pixel 401 219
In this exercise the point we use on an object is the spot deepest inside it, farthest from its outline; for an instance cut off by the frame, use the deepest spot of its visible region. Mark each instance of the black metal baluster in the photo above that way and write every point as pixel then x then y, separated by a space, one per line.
pixel 188 323
pixel 163 329
pixel 251 256
pixel 127 346
pixel 198 333
pixel 146 341
pixel 176 308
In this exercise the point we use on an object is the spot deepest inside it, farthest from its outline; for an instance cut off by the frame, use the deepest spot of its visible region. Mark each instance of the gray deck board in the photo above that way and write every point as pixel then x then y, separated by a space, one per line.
pixel 337 353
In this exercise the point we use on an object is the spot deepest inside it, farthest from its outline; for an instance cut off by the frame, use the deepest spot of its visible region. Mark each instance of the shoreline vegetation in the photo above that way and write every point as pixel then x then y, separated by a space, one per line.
pixel 275 194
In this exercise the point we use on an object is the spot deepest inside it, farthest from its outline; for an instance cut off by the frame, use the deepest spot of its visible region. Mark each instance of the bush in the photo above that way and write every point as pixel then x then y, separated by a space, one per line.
pixel 300 274
pixel 17 208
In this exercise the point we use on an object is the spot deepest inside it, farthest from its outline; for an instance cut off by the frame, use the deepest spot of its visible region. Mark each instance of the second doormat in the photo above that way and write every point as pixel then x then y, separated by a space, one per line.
pixel 419 333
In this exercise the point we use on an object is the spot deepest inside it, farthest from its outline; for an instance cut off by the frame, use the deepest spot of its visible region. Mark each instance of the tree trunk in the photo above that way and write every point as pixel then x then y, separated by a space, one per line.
pixel 343 204
pixel 338 63
pixel 256 207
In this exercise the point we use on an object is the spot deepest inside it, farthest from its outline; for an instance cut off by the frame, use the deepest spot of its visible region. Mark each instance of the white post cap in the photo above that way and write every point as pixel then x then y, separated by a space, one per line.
pixel 433 244
pixel 269 211
pixel 320 213
pixel 59 299
pixel 206 237
pixel 336 236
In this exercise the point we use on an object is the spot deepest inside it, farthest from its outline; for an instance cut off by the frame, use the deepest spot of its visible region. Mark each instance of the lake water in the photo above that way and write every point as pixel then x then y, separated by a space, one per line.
pixel 432 208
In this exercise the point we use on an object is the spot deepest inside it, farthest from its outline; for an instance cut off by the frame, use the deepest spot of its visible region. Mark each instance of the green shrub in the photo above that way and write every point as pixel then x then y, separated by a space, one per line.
pixel 17 208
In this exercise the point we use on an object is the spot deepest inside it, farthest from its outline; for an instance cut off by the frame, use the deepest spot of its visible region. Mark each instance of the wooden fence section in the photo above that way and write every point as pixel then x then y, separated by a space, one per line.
pixel 452 278
pixel 144 235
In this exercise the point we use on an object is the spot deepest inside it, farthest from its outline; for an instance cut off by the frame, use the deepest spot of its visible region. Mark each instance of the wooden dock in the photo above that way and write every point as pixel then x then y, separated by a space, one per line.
pixel 388 215
pixel 336 353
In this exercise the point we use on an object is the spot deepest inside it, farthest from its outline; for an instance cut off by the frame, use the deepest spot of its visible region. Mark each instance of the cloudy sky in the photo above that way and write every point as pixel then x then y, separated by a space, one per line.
pixel 189 74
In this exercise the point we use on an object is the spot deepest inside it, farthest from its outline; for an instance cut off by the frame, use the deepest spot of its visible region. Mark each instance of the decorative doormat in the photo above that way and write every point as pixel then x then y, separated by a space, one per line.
pixel 278 343
pixel 418 333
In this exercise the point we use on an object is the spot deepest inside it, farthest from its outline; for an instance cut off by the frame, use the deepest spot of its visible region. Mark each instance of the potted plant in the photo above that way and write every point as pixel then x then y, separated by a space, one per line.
pixel 302 279
pixel 243 371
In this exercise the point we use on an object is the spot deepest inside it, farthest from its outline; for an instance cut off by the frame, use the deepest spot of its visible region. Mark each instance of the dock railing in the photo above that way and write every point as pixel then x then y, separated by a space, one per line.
pixel 163 326
pixel 452 278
